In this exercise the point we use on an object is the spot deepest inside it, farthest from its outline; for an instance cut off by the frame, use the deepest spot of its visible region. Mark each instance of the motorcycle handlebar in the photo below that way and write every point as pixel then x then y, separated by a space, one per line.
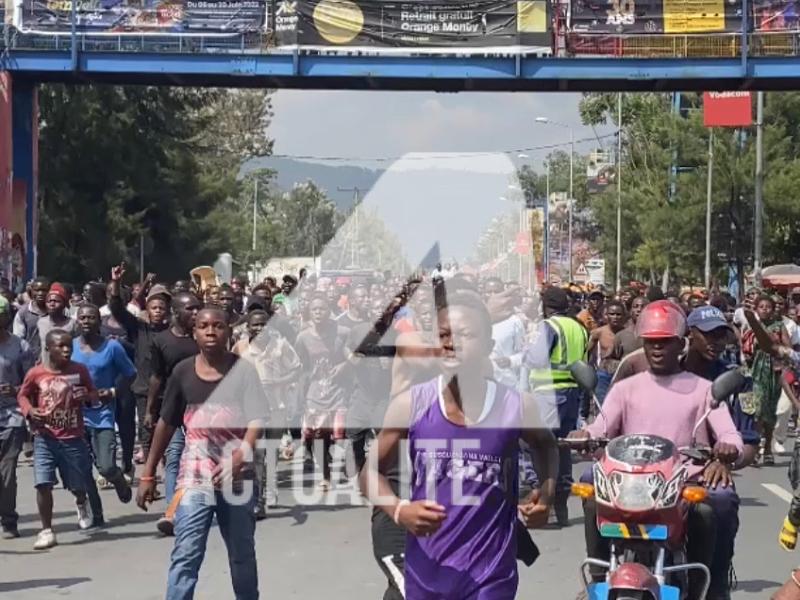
pixel 583 443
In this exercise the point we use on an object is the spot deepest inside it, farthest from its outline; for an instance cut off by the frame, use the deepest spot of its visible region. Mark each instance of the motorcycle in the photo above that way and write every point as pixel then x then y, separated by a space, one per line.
pixel 643 498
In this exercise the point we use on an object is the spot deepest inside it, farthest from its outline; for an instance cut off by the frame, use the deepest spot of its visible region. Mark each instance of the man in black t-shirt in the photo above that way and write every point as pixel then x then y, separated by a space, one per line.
pixel 357 307
pixel 168 349
pixel 220 402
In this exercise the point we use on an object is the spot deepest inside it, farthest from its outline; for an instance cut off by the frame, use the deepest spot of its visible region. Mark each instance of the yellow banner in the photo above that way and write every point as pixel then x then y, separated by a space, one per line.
pixel 694 16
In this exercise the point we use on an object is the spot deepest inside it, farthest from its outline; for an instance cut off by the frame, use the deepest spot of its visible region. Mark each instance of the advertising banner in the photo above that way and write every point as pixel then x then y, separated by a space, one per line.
pixel 727 109
pixel 421 23
pixel 199 17
pixel 772 15
pixel 655 16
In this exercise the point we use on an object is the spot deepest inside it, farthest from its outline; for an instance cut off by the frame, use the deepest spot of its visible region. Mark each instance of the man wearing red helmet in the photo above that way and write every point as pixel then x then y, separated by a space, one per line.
pixel 668 401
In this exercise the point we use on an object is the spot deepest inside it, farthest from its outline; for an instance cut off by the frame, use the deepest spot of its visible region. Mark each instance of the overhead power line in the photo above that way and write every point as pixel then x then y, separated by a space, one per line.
pixel 439 155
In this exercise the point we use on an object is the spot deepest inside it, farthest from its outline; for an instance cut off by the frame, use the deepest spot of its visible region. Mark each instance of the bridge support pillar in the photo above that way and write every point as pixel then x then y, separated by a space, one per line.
pixel 19 171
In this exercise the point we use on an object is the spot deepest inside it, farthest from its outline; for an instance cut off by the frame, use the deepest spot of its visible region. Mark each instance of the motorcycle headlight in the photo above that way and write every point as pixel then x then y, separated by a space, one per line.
pixel 601 490
pixel 635 492
pixel 672 490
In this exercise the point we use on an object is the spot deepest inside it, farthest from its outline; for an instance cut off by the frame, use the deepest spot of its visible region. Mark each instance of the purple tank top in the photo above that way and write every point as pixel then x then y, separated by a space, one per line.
pixel 472 472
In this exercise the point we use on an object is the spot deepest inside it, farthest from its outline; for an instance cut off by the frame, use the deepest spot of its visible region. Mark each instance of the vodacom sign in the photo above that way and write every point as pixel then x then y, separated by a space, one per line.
pixel 727 109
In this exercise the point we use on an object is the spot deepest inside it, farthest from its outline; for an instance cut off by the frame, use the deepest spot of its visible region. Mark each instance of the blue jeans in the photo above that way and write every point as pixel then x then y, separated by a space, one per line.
pixel 103 450
pixel 172 461
pixel 568 403
pixel 237 525
pixel 69 457
pixel 725 504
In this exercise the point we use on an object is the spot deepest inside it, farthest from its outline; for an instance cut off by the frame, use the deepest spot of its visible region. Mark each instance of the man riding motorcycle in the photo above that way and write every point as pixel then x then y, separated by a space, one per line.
pixel 668 401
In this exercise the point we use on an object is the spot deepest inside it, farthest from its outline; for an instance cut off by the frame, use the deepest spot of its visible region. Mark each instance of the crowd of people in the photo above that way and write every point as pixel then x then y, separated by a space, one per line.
pixel 208 387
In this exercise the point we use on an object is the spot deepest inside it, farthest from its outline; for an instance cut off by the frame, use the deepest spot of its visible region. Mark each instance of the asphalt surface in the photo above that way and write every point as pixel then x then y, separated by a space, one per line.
pixel 320 548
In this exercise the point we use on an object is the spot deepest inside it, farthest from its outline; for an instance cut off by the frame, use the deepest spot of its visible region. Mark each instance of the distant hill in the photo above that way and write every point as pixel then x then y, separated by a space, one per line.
pixel 329 177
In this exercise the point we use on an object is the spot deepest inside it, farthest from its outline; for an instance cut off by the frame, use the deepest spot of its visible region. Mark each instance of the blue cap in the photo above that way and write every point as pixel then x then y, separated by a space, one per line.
pixel 707 318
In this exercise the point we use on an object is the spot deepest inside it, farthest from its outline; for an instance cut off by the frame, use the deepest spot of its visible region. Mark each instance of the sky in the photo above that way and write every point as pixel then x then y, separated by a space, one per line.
pixel 477 139
pixel 370 124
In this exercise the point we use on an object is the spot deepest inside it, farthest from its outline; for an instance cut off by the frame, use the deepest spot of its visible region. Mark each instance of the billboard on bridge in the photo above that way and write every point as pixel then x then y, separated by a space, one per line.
pixel 773 15
pixel 206 17
pixel 381 25
pixel 655 16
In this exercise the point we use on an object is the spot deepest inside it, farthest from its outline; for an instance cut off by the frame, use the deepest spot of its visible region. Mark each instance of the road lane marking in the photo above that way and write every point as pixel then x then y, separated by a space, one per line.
pixel 781 493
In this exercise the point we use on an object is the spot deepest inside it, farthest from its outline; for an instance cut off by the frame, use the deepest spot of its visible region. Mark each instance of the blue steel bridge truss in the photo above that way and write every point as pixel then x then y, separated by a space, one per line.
pixel 247 61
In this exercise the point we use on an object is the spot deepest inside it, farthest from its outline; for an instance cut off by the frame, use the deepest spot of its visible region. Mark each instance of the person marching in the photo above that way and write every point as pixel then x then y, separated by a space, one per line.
pixel 220 402
pixel 52 397
pixel 561 341
pixel 463 432
pixel 106 361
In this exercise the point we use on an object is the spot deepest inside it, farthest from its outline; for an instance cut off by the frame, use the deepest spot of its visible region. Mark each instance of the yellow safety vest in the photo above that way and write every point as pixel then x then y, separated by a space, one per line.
pixel 571 345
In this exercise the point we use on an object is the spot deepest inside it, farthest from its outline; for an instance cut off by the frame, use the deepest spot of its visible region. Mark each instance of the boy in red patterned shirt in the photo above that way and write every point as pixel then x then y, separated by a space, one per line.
pixel 52 398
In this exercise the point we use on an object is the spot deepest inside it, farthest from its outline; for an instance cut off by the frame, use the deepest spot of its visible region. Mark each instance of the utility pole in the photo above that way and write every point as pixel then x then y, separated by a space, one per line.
pixel 521 230
pixel 759 209
pixel 255 215
pixel 546 252
pixel 571 196
pixel 708 207
pixel 141 257
pixel 619 191
pixel 255 231
pixel 354 226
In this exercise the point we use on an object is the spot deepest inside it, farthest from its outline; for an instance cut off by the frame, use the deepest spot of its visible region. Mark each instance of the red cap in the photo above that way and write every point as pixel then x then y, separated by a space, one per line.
pixel 58 290
pixel 661 319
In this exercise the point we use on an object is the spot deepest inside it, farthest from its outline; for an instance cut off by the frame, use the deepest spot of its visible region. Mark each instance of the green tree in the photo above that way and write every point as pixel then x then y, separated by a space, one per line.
pixel 125 162
pixel 663 232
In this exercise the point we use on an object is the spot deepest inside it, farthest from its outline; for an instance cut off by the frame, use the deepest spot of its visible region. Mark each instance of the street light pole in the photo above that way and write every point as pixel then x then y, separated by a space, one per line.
pixel 709 190
pixel 759 209
pixel 547 227
pixel 619 191
pixel 571 197
pixel 255 216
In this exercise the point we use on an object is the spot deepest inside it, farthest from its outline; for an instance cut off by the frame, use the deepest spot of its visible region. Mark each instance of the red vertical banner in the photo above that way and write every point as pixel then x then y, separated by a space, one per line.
pixel 6 153
pixel 34 198
pixel 727 109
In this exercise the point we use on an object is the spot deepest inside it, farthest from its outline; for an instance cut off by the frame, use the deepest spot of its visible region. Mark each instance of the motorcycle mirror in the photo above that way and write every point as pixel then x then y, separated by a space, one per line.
pixel 584 375
pixel 695 454
pixel 726 385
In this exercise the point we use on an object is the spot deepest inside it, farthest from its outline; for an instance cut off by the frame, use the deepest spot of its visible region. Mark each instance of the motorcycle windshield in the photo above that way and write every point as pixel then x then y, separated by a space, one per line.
pixel 640 450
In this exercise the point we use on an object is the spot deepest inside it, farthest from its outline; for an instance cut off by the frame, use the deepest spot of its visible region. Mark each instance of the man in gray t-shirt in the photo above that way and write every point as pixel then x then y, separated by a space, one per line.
pixel 56 317
pixel 15 360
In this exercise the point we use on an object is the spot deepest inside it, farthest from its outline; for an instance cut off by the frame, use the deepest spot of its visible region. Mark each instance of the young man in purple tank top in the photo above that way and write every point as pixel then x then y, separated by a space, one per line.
pixel 463 431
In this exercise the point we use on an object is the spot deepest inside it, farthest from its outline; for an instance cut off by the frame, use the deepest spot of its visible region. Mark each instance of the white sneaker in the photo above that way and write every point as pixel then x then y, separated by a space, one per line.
pixel 45 539
pixel 778 447
pixel 84 515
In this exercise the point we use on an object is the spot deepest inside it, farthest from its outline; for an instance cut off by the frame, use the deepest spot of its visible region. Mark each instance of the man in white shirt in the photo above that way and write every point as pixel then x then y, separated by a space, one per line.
pixel 509 341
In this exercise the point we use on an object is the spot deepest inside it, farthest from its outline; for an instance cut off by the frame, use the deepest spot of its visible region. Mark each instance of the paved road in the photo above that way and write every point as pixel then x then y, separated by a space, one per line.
pixel 323 550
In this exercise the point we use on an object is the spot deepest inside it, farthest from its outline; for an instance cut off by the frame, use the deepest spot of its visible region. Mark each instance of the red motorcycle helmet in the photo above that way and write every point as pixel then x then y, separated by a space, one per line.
pixel 661 319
